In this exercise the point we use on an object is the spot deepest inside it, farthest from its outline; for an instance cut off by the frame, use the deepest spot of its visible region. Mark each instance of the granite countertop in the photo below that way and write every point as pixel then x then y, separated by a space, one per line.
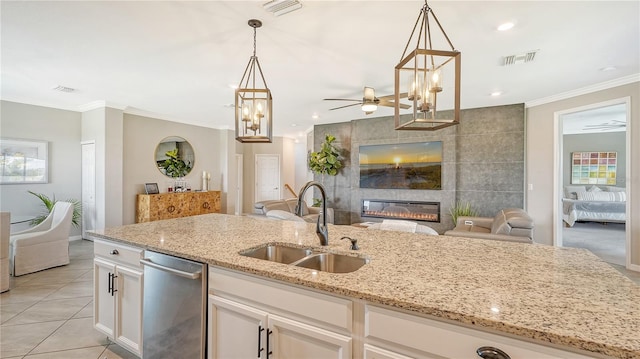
pixel 563 296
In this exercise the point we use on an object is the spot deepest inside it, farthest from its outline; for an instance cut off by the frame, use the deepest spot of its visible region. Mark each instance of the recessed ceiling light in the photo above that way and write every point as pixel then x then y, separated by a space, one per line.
pixel 63 88
pixel 506 26
pixel 496 94
pixel 229 105
pixel 315 116
pixel 233 86
pixel 608 68
pixel 294 124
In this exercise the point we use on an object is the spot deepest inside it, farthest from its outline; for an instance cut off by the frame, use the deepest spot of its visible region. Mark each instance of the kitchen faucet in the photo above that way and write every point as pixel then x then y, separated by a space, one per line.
pixel 321 229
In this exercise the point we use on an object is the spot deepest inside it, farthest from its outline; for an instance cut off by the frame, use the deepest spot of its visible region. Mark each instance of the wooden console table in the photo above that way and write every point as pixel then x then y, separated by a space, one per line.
pixel 154 207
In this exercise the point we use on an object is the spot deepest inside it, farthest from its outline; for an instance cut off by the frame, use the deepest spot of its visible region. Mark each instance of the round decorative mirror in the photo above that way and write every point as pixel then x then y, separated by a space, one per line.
pixel 174 157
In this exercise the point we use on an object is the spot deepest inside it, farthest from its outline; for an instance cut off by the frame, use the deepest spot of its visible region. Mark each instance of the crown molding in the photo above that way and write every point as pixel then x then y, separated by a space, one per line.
pixel 585 90
pixel 99 104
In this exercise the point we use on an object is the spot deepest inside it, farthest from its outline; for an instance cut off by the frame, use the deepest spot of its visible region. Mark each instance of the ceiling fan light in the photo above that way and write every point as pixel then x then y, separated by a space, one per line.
pixel 369 107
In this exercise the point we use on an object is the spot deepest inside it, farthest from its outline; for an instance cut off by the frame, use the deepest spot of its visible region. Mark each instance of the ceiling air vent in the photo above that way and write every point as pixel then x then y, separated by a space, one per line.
pixel 63 88
pixel 519 58
pixel 281 7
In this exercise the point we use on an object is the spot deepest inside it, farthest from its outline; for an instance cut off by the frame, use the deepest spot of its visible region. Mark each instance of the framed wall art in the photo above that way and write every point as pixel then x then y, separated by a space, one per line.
pixel 594 167
pixel 23 161
pixel 402 166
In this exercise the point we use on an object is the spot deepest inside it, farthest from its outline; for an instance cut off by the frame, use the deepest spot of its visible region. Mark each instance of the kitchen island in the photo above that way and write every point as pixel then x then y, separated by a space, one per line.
pixel 562 297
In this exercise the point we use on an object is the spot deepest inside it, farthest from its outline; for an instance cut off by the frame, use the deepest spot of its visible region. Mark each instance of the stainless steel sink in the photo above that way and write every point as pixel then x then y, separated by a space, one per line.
pixel 278 253
pixel 306 258
pixel 331 262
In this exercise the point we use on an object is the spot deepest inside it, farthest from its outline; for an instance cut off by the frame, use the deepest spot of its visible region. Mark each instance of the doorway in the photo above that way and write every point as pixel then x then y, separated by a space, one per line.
pixel 88 193
pixel 267 178
pixel 592 149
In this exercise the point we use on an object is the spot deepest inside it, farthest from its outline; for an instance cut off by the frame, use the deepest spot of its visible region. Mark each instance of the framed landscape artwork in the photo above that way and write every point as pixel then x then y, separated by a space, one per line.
pixel 594 167
pixel 402 166
pixel 23 161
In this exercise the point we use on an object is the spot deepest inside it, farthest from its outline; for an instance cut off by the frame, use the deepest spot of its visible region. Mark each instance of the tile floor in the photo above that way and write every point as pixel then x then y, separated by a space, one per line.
pixel 49 314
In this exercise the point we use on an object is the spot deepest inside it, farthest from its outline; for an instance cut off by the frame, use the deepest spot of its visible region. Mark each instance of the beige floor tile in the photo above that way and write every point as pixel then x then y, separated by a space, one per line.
pixel 86 277
pixel 28 294
pixel 74 334
pixel 86 312
pixel 116 352
pixel 55 276
pixel 18 340
pixel 86 263
pixel 73 290
pixel 84 353
pixel 51 310
pixel 8 311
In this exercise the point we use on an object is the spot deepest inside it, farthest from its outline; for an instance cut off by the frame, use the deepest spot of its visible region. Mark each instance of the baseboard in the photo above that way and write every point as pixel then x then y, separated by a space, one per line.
pixel 634 267
pixel 75 238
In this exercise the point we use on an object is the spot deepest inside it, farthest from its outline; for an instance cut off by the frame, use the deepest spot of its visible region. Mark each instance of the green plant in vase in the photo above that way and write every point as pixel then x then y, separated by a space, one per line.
pixel 174 166
pixel 48 204
pixel 327 160
pixel 461 209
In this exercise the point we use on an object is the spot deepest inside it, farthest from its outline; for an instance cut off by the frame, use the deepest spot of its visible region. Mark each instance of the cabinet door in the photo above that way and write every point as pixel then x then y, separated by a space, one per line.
pixel 129 308
pixel 373 352
pixel 236 330
pixel 292 340
pixel 103 296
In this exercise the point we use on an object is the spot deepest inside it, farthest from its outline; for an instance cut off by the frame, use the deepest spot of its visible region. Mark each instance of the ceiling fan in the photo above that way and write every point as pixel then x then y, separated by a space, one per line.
pixel 607 126
pixel 369 102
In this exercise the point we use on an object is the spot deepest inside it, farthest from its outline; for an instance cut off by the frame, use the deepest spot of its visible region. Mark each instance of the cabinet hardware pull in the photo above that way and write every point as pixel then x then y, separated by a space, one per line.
pixel 260 348
pixel 113 286
pixel 269 352
pixel 171 208
pixel 114 252
pixel 206 205
pixel 491 353
pixel 109 285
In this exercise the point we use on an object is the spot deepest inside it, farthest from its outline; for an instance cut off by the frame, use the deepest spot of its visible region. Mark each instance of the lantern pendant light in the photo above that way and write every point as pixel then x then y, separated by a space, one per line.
pixel 419 78
pixel 253 105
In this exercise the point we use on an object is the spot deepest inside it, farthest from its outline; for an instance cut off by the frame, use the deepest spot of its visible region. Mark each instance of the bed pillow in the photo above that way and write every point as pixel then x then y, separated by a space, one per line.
pixel 570 191
pixel 594 189
pixel 602 196
pixel 614 189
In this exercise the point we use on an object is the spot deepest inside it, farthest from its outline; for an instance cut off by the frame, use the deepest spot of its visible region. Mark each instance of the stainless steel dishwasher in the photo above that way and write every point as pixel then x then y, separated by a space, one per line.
pixel 174 312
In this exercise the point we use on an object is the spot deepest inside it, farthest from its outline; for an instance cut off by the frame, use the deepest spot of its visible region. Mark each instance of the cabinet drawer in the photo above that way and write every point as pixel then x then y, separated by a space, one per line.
pixel 433 338
pixel 326 310
pixel 118 252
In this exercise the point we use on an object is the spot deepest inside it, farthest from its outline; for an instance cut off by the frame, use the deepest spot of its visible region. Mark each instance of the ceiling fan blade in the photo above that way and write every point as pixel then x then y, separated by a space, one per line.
pixel 369 94
pixel 402 95
pixel 336 108
pixel 392 104
pixel 340 99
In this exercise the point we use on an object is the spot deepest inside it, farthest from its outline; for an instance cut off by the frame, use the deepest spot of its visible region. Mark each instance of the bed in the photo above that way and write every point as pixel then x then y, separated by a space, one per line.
pixel 596 204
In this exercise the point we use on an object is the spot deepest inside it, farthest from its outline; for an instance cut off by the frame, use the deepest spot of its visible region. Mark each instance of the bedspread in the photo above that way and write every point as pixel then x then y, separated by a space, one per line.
pixel 598 211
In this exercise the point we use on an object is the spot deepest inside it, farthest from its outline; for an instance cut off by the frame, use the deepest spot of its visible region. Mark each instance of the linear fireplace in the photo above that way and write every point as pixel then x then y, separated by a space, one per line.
pixel 413 210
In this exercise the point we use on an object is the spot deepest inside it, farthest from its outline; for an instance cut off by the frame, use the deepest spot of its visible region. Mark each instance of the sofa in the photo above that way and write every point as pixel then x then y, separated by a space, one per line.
pixel 285 209
pixel 594 204
pixel 512 224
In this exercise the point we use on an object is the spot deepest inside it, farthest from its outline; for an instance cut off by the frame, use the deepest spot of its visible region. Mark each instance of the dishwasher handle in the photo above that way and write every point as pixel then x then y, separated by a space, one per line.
pixel 190 275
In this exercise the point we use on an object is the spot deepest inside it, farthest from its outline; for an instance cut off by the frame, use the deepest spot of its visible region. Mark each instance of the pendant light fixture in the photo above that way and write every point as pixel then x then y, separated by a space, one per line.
pixel 420 75
pixel 253 101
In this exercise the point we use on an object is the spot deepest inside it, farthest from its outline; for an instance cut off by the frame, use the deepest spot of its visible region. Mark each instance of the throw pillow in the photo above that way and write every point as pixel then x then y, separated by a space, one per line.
pixel 570 191
pixel 614 189
pixel 602 196
pixel 594 189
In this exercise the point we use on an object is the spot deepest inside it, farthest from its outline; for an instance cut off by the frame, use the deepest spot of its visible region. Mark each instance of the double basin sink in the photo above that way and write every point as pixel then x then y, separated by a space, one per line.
pixel 306 258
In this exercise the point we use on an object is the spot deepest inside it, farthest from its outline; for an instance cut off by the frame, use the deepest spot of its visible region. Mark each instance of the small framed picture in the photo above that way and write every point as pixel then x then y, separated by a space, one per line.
pixel 151 188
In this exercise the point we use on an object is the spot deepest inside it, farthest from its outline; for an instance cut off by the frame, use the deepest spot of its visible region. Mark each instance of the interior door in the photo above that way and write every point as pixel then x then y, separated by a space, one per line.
pixel 267 179
pixel 89 216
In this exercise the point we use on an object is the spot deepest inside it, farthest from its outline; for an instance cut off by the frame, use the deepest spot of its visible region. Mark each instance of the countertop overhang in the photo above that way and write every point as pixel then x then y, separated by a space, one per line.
pixel 561 296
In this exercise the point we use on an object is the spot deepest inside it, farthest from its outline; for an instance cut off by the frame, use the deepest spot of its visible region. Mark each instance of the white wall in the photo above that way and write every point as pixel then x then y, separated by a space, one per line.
pixel 142 135
pixel 540 161
pixel 62 129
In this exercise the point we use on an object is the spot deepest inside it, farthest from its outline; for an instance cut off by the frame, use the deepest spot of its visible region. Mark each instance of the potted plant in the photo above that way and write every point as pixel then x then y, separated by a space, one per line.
pixel 461 209
pixel 327 160
pixel 174 166
pixel 48 204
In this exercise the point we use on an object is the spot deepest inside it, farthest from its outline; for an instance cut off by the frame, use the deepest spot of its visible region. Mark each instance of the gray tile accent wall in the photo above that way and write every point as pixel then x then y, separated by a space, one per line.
pixel 483 163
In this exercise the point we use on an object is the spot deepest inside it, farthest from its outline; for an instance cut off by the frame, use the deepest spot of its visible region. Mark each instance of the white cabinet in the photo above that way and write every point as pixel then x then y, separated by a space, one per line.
pixel 118 280
pixel 254 318
pixel 394 334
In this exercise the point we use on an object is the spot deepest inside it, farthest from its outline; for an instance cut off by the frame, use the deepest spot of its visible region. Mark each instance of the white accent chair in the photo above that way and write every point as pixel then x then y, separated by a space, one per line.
pixel 45 245
pixel 5 225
